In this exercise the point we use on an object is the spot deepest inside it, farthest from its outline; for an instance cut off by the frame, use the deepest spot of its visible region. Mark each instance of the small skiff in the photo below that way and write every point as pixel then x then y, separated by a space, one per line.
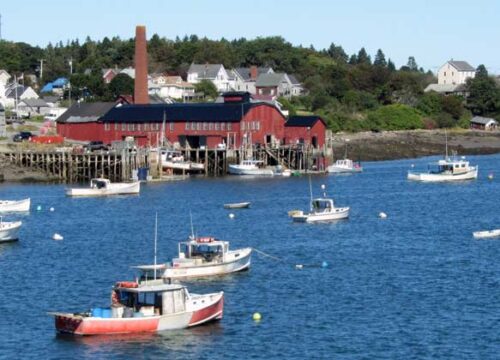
pixel 15 205
pixel 9 230
pixel 486 234
pixel 241 205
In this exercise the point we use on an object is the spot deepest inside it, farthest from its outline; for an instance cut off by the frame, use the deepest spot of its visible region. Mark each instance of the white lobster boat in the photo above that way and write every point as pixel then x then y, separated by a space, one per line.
pixel 172 159
pixel 15 205
pixel 322 210
pixel 104 187
pixel 250 167
pixel 343 166
pixel 9 230
pixel 144 307
pixel 201 257
pixel 447 169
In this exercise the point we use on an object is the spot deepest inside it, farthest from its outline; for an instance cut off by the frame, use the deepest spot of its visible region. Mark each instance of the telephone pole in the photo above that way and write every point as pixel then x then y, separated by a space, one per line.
pixel 41 68
pixel 0 27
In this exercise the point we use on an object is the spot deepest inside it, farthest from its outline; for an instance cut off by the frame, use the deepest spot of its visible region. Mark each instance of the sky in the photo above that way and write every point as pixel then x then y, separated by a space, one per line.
pixel 433 31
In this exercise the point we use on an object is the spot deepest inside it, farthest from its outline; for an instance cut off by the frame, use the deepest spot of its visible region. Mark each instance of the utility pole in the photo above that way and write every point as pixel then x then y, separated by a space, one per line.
pixel 70 73
pixel 41 68
pixel 0 27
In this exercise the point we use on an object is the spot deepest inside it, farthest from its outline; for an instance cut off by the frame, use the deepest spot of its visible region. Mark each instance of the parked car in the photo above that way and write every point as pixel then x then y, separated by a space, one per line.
pixel 95 146
pixel 22 136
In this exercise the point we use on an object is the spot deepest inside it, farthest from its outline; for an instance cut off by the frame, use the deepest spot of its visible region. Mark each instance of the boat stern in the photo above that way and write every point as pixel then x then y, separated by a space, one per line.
pixel 206 308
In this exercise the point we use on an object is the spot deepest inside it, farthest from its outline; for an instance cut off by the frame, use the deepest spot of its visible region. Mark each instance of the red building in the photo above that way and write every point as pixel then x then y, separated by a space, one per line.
pixel 234 122
pixel 308 130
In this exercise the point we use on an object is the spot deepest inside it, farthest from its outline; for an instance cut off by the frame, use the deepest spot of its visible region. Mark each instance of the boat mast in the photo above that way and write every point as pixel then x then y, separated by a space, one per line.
pixel 311 193
pixel 192 227
pixel 446 142
pixel 156 239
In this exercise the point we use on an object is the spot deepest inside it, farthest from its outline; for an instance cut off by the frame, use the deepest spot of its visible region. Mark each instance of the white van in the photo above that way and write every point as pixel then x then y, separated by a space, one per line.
pixel 54 114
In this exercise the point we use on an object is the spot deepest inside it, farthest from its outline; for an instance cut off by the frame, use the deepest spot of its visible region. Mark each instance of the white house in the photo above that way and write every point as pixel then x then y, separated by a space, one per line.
pixel 4 77
pixel 455 73
pixel 216 73
pixel 172 87
pixel 15 93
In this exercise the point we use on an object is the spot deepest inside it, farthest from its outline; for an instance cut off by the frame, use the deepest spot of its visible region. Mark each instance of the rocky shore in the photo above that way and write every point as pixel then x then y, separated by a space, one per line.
pixel 390 145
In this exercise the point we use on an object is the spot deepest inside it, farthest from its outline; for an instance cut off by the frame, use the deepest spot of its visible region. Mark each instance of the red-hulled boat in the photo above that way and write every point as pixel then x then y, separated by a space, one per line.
pixel 144 307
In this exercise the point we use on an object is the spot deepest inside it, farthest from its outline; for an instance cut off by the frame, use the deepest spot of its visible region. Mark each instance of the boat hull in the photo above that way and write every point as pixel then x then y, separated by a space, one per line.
pixel 342 170
pixel 240 263
pixel 200 309
pixel 486 234
pixel 430 177
pixel 15 206
pixel 114 189
pixel 238 170
pixel 9 231
pixel 336 214
pixel 243 205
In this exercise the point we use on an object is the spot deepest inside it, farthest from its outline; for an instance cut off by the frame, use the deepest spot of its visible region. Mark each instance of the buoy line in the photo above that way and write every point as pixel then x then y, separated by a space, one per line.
pixel 324 264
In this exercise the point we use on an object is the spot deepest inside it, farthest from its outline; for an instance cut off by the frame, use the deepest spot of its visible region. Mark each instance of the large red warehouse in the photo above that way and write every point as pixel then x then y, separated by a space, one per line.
pixel 234 122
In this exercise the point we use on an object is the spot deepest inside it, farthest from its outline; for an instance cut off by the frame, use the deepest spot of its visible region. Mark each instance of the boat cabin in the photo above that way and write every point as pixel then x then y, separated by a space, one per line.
pixel 206 248
pixel 99 183
pixel 129 299
pixel 322 205
pixel 172 155
pixel 449 167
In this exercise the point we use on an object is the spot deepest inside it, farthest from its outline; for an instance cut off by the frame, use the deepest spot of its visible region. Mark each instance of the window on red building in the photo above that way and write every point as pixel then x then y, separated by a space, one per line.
pixel 257 125
pixel 193 125
pixel 243 126
pixel 217 126
pixel 198 126
pixel 223 126
pixel 124 126
pixel 253 125
pixel 146 127
pixel 229 126
pixel 107 126
pixel 138 127
pixel 205 126
pixel 116 126
pixel 211 126
pixel 171 127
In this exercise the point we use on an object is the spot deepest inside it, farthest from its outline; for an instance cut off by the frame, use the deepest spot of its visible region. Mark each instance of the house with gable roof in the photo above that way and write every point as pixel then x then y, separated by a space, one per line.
pixel 274 84
pixel 216 73
pixel 452 78
pixel 245 77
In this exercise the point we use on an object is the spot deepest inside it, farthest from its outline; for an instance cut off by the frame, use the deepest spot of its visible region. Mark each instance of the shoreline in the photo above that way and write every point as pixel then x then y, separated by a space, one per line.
pixel 406 144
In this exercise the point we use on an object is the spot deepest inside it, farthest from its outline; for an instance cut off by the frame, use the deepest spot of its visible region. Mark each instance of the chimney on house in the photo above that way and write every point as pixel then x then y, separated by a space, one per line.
pixel 253 72
pixel 141 67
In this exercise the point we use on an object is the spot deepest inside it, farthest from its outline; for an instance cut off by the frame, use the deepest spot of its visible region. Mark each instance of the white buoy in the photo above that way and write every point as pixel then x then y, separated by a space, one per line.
pixel 323 187
pixel 231 216
pixel 299 266
pixel 57 236
pixel 490 176
pixel 382 215
pixel 412 165
pixel 39 208
pixel 256 316
pixel 51 209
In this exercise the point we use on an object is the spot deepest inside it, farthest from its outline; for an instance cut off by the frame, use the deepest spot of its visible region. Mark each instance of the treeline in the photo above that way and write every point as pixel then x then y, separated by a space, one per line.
pixel 352 92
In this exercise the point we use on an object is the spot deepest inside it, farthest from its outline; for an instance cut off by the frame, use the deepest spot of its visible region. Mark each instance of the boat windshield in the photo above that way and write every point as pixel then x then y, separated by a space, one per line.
pixel 322 205
pixel 98 184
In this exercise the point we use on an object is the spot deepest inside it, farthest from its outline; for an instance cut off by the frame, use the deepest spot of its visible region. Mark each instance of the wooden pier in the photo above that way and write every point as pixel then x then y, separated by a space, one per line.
pixel 71 167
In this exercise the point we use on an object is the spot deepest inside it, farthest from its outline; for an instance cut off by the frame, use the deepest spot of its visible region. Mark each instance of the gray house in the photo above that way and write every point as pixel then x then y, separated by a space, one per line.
pixel 483 123
pixel 3 130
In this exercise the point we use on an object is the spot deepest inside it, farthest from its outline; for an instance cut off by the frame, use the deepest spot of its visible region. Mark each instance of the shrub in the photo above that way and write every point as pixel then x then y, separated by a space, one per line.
pixel 394 117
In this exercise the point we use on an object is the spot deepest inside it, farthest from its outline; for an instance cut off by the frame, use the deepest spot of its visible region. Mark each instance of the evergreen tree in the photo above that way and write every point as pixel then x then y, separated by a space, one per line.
pixel 380 59
pixel 337 53
pixel 412 64
pixel 363 57
pixel 484 96
pixel 391 66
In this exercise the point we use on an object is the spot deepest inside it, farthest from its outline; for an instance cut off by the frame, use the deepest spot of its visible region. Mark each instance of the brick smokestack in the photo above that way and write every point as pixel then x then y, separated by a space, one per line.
pixel 253 72
pixel 141 67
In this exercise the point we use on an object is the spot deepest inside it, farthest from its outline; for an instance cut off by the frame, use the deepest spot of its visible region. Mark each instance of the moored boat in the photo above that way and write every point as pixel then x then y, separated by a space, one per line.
pixel 322 209
pixel 173 159
pixel 486 234
pixel 241 205
pixel 144 307
pixel 201 257
pixel 250 167
pixel 104 187
pixel 9 230
pixel 15 205
pixel 344 166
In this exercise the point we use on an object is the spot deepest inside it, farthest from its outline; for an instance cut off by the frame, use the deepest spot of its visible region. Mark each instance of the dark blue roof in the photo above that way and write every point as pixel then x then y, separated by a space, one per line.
pixel 304 121
pixel 221 112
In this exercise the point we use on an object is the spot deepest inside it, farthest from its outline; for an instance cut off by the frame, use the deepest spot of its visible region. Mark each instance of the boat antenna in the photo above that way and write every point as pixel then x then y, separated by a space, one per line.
pixel 192 227
pixel 310 193
pixel 446 142
pixel 156 239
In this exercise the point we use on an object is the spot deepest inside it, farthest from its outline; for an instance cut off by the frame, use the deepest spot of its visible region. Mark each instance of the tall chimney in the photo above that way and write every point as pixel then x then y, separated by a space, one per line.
pixel 141 67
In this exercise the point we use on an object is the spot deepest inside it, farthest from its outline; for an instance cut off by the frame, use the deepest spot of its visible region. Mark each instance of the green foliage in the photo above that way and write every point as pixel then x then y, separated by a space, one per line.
pixel 207 88
pixel 429 104
pixel 122 84
pixel 287 105
pixel 484 95
pixel 395 117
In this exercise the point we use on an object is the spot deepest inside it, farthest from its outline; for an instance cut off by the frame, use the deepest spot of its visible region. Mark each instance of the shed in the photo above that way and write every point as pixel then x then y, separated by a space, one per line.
pixel 308 130
pixel 483 123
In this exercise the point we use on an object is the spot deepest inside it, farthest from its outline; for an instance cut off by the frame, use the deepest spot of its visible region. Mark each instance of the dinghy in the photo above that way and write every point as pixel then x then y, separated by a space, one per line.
pixel 486 234
pixel 15 205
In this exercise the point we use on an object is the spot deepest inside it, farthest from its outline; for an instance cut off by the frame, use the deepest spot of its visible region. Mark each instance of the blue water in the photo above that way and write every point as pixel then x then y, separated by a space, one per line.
pixel 415 285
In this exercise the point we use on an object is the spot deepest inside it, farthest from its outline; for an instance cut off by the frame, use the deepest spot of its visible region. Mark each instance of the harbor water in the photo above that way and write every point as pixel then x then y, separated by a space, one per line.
pixel 413 285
